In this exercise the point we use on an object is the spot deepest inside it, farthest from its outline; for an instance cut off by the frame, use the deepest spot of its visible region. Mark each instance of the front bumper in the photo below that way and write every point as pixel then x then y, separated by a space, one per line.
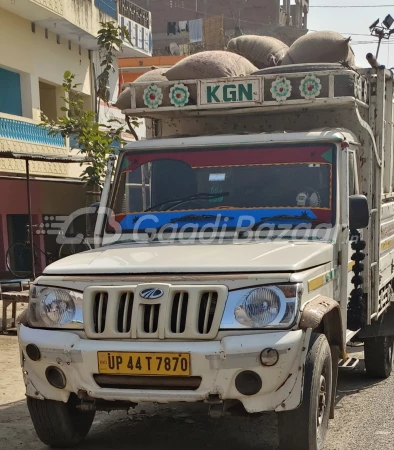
pixel 217 363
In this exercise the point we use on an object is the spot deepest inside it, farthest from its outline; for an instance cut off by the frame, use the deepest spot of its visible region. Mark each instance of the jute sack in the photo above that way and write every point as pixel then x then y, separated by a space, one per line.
pixel 320 47
pixel 155 76
pixel 262 51
pixel 211 64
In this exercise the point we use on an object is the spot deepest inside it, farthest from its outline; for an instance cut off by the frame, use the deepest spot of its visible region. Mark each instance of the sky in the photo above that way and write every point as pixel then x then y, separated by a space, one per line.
pixel 355 22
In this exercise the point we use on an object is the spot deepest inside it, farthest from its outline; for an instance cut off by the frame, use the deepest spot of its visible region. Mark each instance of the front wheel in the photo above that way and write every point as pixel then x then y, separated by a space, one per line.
pixel 378 354
pixel 58 424
pixel 306 427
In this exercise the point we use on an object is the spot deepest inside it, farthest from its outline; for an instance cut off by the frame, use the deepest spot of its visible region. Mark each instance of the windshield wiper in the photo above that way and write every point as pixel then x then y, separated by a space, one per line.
pixel 179 201
pixel 302 216
pixel 126 241
pixel 198 218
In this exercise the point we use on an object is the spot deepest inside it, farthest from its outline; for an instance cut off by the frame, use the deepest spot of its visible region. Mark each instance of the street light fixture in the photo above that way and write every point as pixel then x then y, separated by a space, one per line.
pixel 382 31
pixel 388 22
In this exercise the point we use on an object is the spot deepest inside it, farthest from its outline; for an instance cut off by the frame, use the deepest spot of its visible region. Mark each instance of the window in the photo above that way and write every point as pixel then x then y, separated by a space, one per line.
pixel 48 100
pixel 177 4
pixel 353 189
pixel 173 186
pixel 165 182
pixel 10 92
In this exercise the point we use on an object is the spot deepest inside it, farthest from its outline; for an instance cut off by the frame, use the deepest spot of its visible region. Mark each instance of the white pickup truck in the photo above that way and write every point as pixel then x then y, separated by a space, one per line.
pixel 237 252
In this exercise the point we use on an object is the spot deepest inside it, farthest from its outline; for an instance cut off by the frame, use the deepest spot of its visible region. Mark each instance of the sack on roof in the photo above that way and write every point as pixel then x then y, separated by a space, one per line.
pixel 262 51
pixel 211 64
pixel 320 47
pixel 154 76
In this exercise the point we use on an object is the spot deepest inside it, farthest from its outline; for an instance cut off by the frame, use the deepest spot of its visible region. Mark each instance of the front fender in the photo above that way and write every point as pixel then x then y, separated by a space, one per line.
pixel 323 315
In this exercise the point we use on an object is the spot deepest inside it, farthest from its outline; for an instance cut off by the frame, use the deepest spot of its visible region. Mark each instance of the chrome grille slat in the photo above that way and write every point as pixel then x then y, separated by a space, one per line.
pixel 183 312
pixel 150 319
pixel 207 311
pixel 100 314
pixel 152 314
pixel 208 305
pixel 179 312
pixel 126 309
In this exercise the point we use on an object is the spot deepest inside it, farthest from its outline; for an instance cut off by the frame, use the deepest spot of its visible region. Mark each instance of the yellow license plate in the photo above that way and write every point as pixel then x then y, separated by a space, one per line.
pixel 124 363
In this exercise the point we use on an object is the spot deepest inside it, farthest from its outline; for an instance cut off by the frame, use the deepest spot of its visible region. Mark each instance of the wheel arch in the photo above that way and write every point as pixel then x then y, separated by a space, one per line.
pixel 323 315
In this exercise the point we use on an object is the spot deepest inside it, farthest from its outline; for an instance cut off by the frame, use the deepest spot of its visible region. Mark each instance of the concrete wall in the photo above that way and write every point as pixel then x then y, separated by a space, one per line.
pixel 261 17
pixel 78 20
pixel 85 15
pixel 48 198
pixel 164 11
pixel 37 57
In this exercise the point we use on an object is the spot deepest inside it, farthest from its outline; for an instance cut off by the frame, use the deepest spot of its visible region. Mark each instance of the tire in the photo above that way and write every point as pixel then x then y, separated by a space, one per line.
pixel 72 249
pixel 379 353
pixel 19 260
pixel 58 424
pixel 306 427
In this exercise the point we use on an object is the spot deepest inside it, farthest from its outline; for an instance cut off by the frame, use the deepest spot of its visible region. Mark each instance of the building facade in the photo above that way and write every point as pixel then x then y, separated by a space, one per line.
pixel 39 41
pixel 187 26
pixel 132 68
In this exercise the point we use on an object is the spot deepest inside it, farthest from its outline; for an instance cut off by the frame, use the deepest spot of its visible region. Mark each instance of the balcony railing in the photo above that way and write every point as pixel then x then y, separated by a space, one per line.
pixel 134 13
pixel 27 130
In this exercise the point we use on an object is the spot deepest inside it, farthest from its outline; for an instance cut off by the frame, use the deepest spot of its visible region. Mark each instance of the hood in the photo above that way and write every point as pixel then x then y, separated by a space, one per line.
pixel 196 258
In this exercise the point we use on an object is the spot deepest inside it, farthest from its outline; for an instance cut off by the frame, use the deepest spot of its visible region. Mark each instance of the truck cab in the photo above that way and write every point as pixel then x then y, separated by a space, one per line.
pixel 232 266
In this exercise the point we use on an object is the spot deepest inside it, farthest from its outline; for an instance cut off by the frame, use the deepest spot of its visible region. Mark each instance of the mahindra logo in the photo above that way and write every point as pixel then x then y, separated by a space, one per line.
pixel 152 294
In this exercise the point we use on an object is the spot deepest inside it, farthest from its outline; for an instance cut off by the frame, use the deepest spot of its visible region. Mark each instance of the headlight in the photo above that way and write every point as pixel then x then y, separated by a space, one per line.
pixel 55 308
pixel 269 307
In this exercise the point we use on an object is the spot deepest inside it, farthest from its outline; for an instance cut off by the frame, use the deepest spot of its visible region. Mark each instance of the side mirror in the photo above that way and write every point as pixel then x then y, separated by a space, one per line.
pixel 358 212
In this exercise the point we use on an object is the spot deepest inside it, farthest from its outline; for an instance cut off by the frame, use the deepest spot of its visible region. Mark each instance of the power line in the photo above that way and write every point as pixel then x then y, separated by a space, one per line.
pixel 351 6
pixel 369 43
pixel 346 33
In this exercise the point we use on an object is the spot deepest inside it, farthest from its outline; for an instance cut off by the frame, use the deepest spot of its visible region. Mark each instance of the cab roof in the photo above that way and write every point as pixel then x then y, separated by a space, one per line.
pixel 320 135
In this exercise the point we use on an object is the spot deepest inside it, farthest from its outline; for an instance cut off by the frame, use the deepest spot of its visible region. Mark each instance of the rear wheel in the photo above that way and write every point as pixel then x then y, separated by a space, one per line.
pixel 58 424
pixel 378 353
pixel 306 427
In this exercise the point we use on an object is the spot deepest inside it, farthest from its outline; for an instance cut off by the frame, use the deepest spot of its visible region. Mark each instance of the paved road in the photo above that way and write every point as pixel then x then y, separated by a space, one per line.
pixel 364 420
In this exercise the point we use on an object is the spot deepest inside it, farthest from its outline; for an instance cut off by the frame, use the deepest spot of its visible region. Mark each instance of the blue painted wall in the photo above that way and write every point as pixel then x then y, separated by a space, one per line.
pixel 10 92
pixel 107 7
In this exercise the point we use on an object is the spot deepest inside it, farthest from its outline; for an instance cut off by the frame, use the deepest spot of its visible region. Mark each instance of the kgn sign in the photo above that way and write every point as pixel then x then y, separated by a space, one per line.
pixel 227 91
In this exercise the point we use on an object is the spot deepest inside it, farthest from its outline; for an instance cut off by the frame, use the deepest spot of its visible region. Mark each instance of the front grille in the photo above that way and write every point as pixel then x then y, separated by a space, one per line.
pixel 179 312
pixel 100 311
pixel 207 311
pixel 182 312
pixel 125 312
pixel 151 318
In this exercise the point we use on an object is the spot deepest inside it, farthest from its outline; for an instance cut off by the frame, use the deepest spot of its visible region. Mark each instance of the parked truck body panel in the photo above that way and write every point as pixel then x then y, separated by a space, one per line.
pixel 254 315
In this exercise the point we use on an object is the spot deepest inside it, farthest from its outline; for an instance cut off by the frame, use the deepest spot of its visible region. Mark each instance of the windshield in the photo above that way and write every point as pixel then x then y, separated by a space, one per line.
pixel 223 186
